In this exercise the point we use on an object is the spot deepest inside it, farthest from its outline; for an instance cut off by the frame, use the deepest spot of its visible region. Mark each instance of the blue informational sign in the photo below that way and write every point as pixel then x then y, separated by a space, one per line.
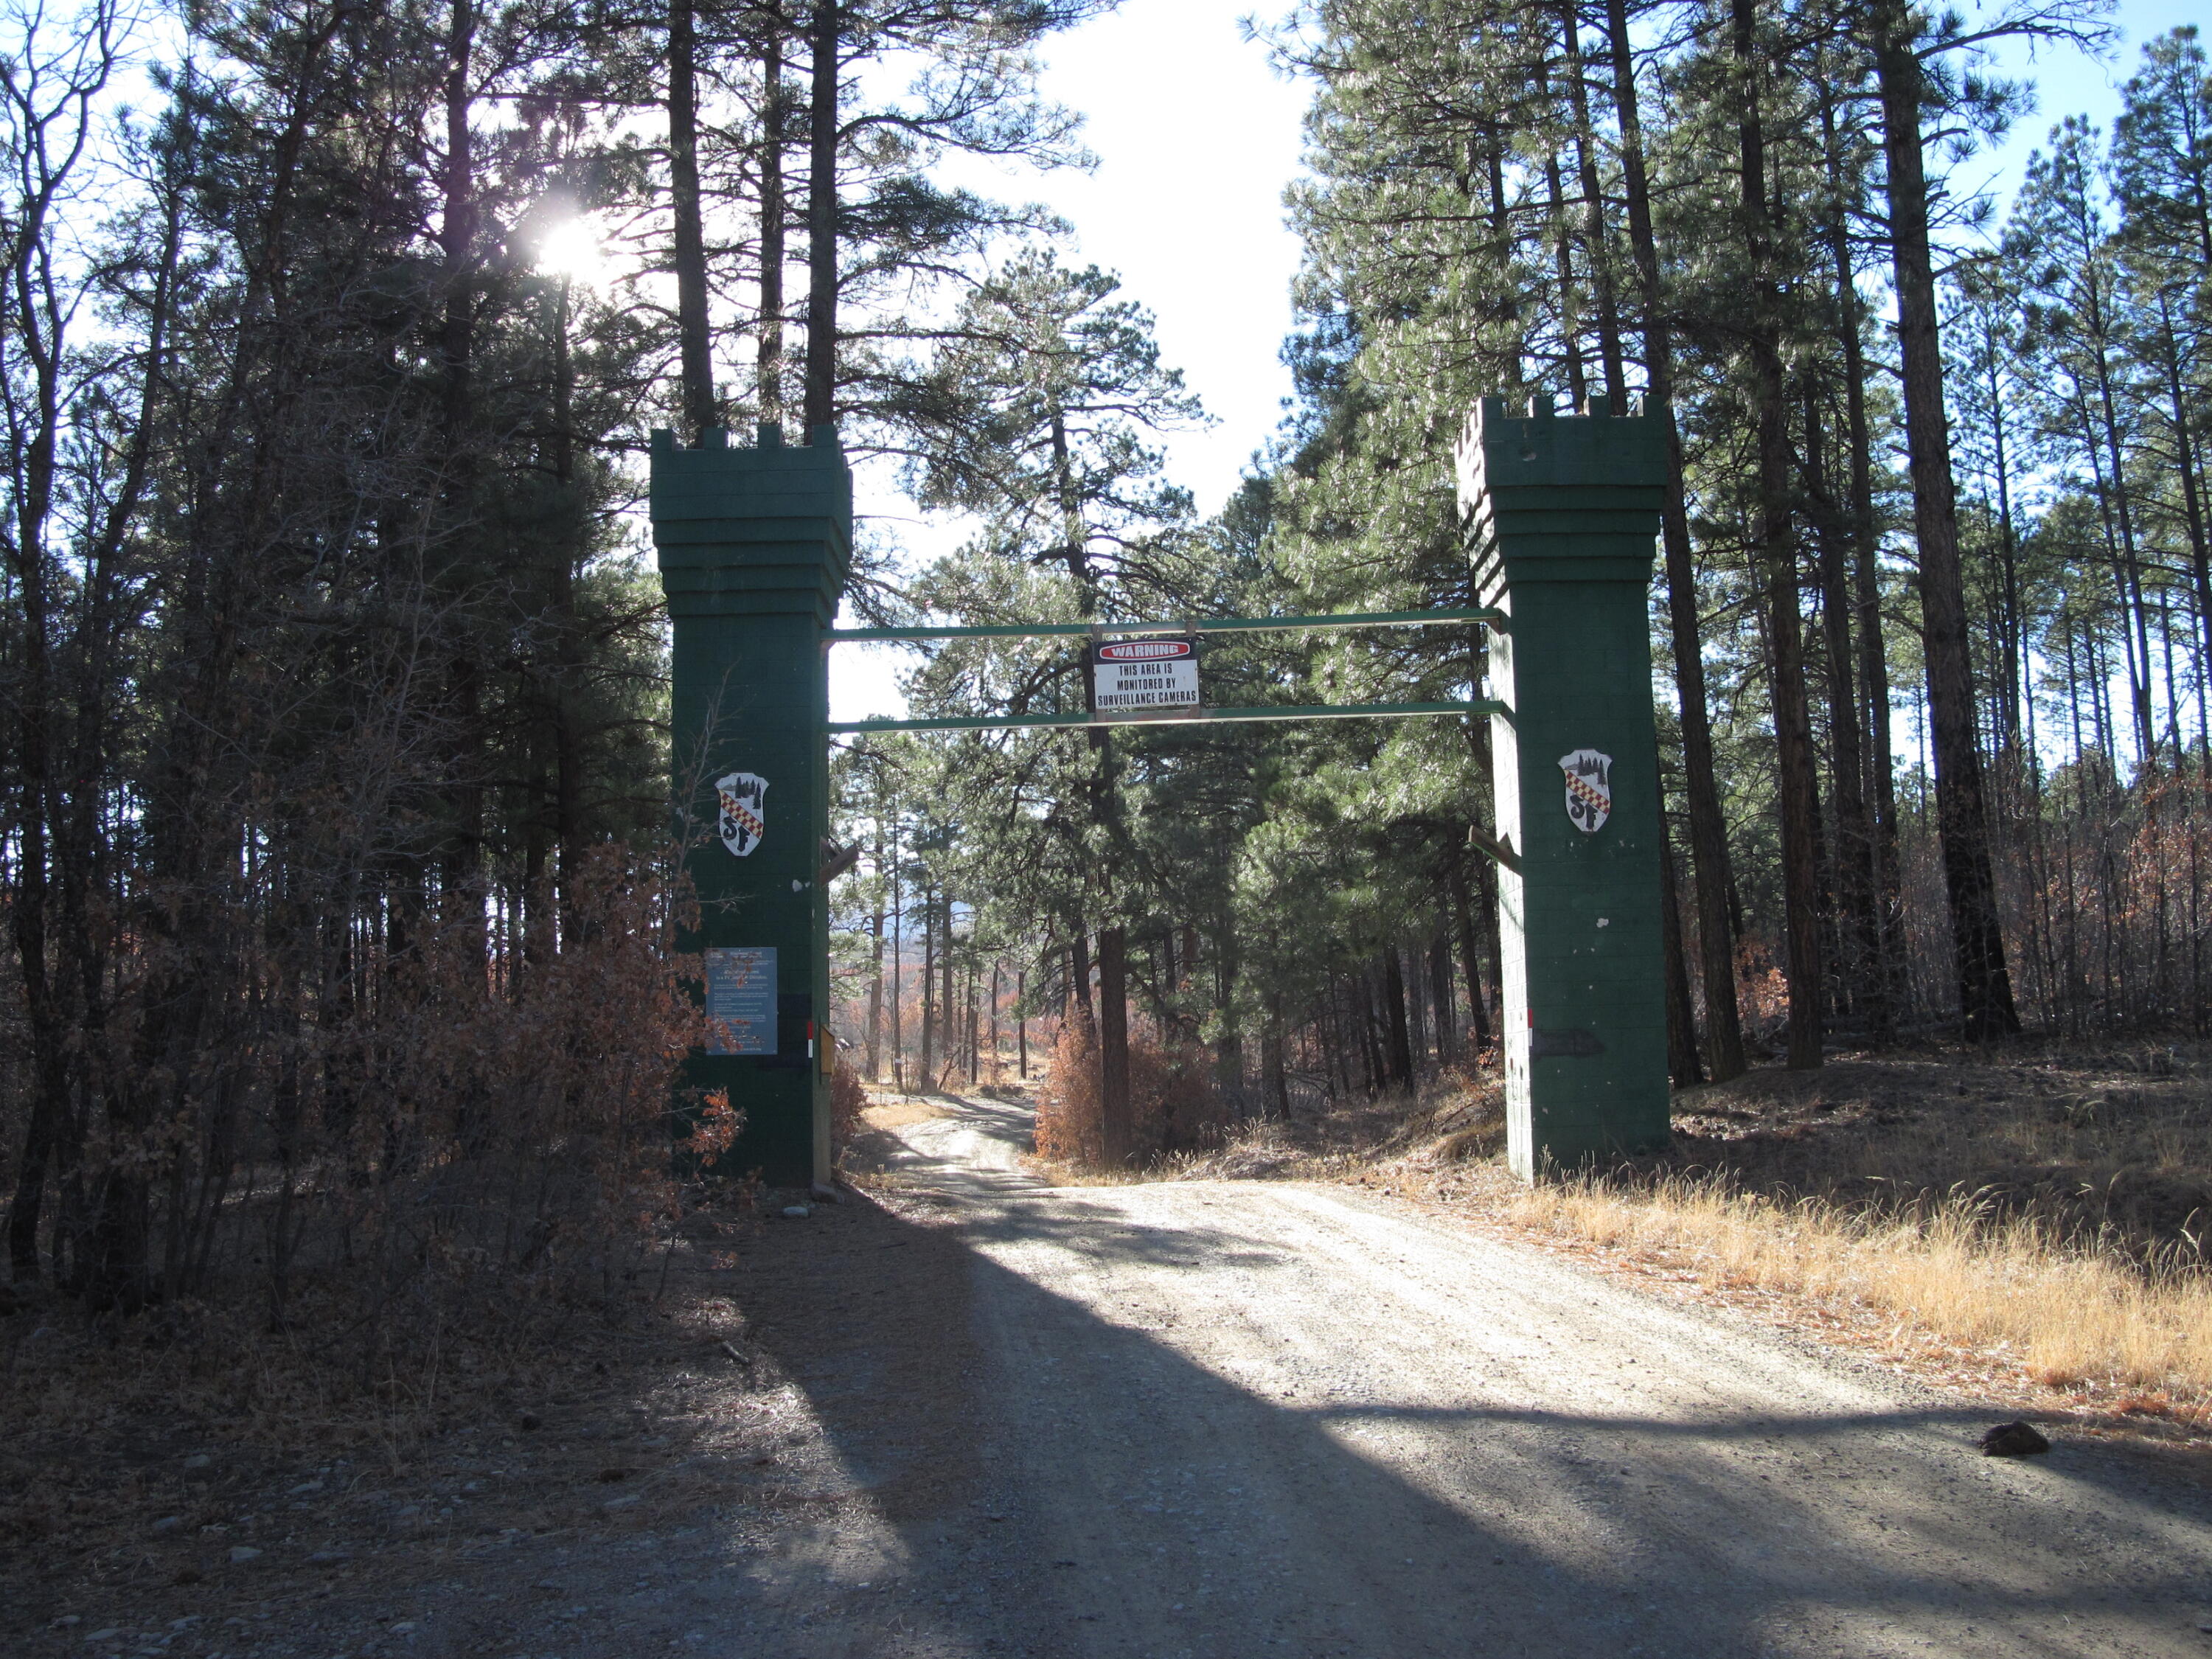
pixel 741 1000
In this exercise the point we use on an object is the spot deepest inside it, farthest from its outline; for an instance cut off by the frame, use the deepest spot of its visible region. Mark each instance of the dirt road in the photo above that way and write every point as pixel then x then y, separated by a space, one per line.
pixel 985 1417
pixel 1254 1418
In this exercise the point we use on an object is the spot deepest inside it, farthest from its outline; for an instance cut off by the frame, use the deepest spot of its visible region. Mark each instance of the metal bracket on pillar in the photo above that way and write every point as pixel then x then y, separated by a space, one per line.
pixel 1559 514
pixel 1497 851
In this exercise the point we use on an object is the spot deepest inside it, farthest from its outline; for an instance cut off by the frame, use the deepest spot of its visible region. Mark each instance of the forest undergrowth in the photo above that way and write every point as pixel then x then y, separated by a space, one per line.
pixel 425 1217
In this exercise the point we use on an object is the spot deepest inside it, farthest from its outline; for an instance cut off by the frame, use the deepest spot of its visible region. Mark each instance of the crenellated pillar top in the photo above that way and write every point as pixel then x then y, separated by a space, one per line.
pixel 1550 497
pixel 768 528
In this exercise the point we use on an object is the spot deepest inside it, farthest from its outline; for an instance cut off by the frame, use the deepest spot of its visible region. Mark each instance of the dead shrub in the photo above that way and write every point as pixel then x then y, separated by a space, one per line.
pixel 1068 1126
pixel 1173 1104
pixel 848 1100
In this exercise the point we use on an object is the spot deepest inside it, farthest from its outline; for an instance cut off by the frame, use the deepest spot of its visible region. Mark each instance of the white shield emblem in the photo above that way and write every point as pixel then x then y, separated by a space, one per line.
pixel 744 796
pixel 1590 788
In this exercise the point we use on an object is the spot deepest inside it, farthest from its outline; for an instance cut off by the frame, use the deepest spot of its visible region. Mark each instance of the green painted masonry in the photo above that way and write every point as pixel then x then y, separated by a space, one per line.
pixel 1559 514
pixel 754 545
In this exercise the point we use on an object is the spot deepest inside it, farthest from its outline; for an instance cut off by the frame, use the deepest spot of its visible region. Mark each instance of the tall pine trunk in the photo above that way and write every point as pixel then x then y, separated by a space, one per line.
pixel 1594 229
pixel 948 1007
pixel 1470 956
pixel 1775 547
pixel 1275 1080
pixel 1681 1023
pixel 693 354
pixel 2200 549
pixel 1709 848
pixel 1078 976
pixel 1961 811
pixel 1398 1070
pixel 1440 996
pixel 876 968
pixel 821 405
pixel 898 975
pixel 928 988
pixel 1854 836
pixel 461 856
pixel 561 557
pixel 1885 988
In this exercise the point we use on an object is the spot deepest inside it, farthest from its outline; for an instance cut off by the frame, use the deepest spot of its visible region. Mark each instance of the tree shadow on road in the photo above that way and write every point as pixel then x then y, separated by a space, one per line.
pixel 1063 1483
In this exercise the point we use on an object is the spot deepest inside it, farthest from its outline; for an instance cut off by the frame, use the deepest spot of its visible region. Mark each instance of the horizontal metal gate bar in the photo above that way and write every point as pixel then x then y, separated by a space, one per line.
pixel 1326 711
pixel 1195 624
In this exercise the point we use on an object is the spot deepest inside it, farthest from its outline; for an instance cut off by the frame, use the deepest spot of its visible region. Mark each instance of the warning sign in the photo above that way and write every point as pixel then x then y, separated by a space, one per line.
pixel 1144 674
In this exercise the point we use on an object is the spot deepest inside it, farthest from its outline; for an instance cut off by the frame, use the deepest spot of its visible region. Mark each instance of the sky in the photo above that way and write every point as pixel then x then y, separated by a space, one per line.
pixel 1196 138
pixel 2070 82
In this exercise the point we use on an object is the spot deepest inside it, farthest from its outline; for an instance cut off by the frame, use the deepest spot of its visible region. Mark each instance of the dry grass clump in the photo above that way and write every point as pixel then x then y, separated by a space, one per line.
pixel 2069 1311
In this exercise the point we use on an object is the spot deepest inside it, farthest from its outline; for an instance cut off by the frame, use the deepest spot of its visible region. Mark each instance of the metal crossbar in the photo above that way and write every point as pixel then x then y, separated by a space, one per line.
pixel 1195 625
pixel 1326 711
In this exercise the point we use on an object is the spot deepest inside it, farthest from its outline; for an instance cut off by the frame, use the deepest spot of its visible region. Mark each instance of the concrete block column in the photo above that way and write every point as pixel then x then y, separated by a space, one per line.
pixel 1559 514
pixel 754 545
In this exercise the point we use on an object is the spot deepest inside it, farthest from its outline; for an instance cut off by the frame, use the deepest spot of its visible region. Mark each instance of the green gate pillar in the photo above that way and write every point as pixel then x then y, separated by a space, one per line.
pixel 1560 513
pixel 754 545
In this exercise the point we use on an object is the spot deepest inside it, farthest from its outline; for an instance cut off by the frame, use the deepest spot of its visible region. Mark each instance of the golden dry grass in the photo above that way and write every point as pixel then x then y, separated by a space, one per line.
pixel 2068 1312
pixel 888 1111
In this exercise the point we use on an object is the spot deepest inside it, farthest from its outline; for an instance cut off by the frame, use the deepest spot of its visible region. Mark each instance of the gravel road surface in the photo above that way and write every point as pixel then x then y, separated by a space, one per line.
pixel 976 1416
pixel 1244 1418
